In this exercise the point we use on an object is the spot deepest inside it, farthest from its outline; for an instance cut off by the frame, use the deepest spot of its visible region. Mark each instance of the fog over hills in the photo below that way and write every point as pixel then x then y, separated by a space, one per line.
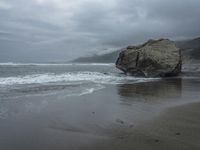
pixel 190 48
pixel 101 58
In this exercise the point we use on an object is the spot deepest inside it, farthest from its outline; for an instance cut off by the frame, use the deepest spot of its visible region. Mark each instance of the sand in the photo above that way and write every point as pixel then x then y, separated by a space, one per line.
pixel 158 115
pixel 177 128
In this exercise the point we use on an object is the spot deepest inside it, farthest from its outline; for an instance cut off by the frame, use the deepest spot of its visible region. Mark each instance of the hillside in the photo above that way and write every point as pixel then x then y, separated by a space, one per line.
pixel 189 48
pixel 104 58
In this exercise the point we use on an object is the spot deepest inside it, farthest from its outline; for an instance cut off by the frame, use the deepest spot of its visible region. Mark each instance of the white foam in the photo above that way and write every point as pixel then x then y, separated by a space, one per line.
pixel 69 77
pixel 89 90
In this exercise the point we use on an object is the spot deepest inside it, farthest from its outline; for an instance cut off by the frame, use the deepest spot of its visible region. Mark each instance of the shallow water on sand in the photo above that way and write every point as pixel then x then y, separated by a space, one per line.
pixel 61 108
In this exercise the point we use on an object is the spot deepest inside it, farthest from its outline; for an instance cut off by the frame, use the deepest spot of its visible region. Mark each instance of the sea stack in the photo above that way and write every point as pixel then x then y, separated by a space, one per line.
pixel 155 58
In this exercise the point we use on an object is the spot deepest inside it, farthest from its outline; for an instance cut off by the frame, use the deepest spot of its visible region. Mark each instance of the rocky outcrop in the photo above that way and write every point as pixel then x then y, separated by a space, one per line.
pixel 155 58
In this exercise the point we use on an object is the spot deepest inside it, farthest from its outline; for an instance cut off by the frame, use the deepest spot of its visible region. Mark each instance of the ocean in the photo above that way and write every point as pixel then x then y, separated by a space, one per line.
pixel 74 79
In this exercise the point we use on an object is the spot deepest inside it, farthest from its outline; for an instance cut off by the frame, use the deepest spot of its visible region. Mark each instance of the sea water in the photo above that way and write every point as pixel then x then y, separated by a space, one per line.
pixel 25 79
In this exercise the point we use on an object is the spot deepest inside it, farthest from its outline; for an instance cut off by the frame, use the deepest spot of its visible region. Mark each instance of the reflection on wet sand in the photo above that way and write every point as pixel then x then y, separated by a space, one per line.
pixel 161 89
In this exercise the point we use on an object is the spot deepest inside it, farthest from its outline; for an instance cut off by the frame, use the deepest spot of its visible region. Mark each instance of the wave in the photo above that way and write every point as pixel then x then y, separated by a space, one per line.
pixel 55 64
pixel 71 78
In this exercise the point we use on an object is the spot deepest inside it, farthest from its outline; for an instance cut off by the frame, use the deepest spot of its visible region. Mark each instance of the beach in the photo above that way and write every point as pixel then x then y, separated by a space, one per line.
pixel 99 75
pixel 98 111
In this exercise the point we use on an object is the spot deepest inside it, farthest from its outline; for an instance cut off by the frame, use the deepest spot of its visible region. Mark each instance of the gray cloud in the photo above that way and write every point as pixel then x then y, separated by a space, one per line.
pixel 51 30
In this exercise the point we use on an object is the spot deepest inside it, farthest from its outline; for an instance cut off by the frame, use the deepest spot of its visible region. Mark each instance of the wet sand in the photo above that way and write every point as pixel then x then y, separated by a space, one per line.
pixel 155 115
pixel 176 128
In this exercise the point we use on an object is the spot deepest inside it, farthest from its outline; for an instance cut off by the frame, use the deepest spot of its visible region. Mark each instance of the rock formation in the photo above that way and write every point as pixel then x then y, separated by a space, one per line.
pixel 155 58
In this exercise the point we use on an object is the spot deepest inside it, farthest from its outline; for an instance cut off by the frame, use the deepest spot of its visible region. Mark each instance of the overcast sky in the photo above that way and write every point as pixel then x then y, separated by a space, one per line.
pixel 59 30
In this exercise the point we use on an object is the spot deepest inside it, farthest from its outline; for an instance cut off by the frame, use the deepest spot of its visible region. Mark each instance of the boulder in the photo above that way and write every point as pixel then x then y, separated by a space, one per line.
pixel 155 58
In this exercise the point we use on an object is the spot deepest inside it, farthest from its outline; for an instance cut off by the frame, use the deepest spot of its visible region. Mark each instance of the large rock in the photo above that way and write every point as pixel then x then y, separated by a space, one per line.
pixel 155 58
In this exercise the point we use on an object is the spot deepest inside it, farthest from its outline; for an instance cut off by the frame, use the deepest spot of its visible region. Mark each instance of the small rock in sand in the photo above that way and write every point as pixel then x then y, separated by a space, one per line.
pixel 178 133
pixel 119 121
pixel 131 126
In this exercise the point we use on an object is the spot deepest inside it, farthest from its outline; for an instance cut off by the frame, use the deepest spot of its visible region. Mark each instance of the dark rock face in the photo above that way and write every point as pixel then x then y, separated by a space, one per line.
pixel 155 58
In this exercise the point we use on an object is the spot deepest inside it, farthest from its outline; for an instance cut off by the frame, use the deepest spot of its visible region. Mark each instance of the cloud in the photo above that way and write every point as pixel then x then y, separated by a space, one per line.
pixel 5 5
pixel 63 29
pixel 133 20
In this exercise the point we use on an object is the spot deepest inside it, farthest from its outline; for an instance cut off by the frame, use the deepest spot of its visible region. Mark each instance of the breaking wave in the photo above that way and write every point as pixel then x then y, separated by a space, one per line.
pixel 70 77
